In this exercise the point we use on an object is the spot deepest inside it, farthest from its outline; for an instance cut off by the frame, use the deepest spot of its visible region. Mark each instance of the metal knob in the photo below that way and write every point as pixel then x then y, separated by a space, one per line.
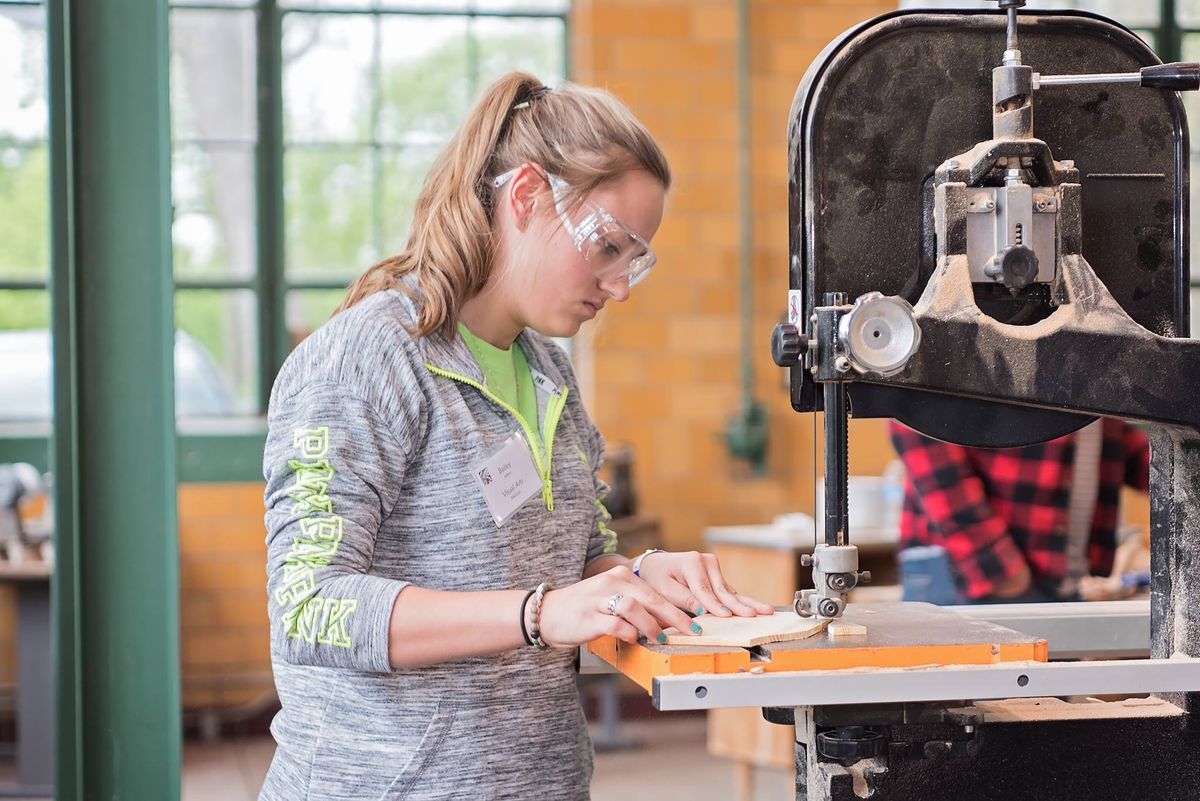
pixel 1016 267
pixel 787 345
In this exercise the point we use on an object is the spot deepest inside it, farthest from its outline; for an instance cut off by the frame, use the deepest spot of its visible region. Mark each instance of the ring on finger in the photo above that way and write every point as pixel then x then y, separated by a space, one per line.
pixel 612 603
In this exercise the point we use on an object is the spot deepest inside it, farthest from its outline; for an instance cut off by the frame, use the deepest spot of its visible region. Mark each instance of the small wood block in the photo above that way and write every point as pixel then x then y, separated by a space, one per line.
pixel 840 628
pixel 747 632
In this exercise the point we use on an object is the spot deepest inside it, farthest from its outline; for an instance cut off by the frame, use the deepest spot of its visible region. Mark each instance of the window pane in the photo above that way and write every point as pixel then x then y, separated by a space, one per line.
pixel 23 109
pixel 214 226
pixel 329 212
pixel 403 174
pixel 24 212
pixel 1127 12
pixel 230 3
pixel 531 45
pixel 328 68
pixel 435 5
pixel 318 4
pixel 1191 52
pixel 23 309
pixel 25 354
pixel 425 78
pixel 545 6
pixel 308 309
pixel 212 75
pixel 1188 12
pixel 216 353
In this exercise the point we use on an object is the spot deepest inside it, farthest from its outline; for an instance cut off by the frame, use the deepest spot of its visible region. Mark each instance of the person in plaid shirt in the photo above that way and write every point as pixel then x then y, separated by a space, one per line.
pixel 1013 524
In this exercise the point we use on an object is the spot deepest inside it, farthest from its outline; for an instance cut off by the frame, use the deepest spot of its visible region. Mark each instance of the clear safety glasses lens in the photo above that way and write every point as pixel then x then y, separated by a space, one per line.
pixel 611 250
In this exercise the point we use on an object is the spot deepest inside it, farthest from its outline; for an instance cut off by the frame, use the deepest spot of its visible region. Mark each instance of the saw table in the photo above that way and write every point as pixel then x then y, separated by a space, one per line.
pixel 899 635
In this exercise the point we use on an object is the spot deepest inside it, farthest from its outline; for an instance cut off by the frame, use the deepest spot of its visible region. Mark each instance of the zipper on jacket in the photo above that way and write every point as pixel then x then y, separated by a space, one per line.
pixel 554 409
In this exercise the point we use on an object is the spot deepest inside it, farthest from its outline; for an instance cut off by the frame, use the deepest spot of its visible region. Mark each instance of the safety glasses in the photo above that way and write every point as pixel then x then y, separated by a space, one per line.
pixel 611 250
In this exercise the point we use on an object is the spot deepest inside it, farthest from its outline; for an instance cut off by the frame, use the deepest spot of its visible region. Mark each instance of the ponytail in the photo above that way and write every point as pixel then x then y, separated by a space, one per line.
pixel 585 135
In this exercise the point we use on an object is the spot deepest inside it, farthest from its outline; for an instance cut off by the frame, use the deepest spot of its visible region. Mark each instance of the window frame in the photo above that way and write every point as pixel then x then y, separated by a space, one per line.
pixel 230 448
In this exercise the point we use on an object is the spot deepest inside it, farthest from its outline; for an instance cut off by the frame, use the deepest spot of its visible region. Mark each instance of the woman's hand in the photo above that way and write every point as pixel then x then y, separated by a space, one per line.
pixel 580 613
pixel 693 581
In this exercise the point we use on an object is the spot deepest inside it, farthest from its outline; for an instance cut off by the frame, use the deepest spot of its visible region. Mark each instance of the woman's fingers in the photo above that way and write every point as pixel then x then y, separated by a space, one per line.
pixel 698 581
pixel 622 629
pixel 631 610
pixel 663 611
pixel 729 597
pixel 759 606
pixel 681 596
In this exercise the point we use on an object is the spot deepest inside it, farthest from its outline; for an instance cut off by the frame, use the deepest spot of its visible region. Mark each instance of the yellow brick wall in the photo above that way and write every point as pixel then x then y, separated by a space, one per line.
pixel 224 636
pixel 663 371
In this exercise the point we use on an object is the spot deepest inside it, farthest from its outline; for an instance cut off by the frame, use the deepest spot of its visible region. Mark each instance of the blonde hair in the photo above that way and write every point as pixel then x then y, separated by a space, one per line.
pixel 583 134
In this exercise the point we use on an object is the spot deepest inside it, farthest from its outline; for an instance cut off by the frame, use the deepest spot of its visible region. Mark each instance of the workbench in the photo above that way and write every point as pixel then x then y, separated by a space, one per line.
pixel 35 687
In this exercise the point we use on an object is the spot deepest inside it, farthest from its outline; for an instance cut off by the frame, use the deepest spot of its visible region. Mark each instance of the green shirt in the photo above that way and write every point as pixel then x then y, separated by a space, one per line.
pixel 506 374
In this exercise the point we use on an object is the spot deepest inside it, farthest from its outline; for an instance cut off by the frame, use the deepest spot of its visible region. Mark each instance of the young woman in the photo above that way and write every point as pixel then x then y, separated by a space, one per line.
pixel 437 540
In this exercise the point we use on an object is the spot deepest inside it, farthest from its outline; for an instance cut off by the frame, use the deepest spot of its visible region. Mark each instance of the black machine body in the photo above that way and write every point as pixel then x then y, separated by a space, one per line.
pixel 912 144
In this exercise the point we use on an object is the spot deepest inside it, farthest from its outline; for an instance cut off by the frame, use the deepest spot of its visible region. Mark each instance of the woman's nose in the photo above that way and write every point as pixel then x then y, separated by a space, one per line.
pixel 617 288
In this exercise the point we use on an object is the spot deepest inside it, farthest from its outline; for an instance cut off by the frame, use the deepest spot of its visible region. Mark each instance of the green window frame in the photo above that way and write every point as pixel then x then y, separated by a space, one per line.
pixel 230 448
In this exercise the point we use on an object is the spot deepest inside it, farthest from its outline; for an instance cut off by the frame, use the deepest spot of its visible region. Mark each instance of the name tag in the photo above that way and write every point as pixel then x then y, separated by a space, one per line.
pixel 543 383
pixel 508 478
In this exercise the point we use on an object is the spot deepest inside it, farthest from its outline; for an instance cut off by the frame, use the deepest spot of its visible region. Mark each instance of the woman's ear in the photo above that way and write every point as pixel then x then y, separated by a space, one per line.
pixel 527 184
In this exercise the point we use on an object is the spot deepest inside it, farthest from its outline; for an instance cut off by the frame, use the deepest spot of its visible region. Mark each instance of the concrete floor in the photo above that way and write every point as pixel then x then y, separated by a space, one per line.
pixel 669 762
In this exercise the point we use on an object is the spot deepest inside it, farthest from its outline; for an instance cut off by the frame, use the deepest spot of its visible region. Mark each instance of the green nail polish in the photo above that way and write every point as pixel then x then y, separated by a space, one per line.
pixel 725 609
pixel 699 609
pixel 696 628
pixel 662 638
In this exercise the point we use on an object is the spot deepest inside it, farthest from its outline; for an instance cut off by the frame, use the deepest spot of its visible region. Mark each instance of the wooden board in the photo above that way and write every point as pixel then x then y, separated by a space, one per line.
pixel 841 628
pixel 747 632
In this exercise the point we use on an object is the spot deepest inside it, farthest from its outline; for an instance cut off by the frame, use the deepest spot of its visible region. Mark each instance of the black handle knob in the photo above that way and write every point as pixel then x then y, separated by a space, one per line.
pixel 1182 76
pixel 787 344
pixel 1016 267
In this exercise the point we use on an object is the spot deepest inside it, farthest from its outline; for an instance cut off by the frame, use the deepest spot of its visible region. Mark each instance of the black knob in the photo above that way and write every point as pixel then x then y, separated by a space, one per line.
pixel 1182 76
pixel 848 744
pixel 779 715
pixel 1016 267
pixel 787 344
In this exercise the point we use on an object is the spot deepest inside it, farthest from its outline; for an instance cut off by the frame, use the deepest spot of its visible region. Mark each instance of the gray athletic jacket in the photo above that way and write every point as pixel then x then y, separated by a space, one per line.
pixel 372 435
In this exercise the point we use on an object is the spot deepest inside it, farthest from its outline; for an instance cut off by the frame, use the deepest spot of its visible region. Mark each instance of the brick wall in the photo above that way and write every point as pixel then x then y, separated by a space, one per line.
pixel 224 638
pixel 663 370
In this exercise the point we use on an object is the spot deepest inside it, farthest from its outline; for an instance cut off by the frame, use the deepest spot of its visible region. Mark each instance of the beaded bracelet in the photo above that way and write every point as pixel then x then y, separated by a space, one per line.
pixel 524 605
pixel 535 620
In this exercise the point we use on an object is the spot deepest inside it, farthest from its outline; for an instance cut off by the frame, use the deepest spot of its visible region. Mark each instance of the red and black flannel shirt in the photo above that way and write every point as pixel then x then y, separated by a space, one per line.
pixel 992 509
